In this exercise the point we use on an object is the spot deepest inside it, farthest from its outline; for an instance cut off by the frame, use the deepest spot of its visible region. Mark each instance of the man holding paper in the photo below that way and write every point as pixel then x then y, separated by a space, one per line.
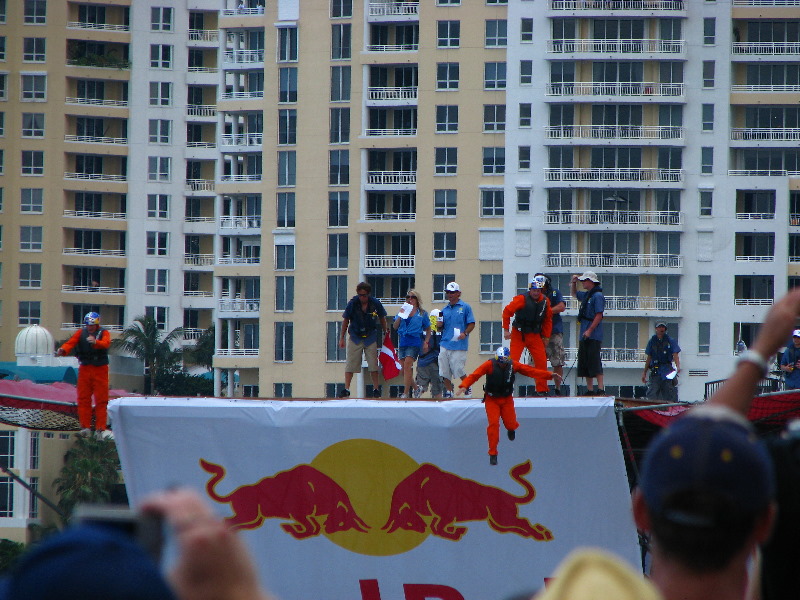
pixel 661 352
pixel 458 324
pixel 414 332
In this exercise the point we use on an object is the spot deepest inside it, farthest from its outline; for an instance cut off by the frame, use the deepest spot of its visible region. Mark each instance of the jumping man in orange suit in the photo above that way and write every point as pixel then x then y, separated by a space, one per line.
pixel 499 394
pixel 533 324
pixel 91 347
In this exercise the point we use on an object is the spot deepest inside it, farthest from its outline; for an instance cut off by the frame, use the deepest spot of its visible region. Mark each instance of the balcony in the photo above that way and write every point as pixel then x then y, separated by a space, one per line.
pixel 762 173
pixel 387 9
pixel 392 93
pixel 198 260
pixel 777 89
pixel 239 259
pixel 392 177
pixel 393 47
pixel 211 70
pixel 93 139
pixel 191 334
pixel 200 185
pixel 636 89
pixel 388 261
pixel 769 134
pixel 94 251
pixel 203 35
pixel 611 260
pixel 636 303
pixel 390 132
pixel 201 110
pixel 766 48
pixel 97 102
pixel 94 289
pixel 96 26
pixel 612 217
pixel 247 305
pixel 201 144
pixel 753 301
pixel 107 326
pixel 766 2
pixel 243 222
pixel 95 177
pixel 749 216
pixel 601 174
pixel 794 219
pixel 198 294
pixel 100 62
pixel 240 178
pixel 617 355
pixel 242 95
pixel 614 132
pixel 91 214
pixel 243 139
pixel 616 46
pixel 617 5
pixel 243 56
pixel 390 216
pixel 753 258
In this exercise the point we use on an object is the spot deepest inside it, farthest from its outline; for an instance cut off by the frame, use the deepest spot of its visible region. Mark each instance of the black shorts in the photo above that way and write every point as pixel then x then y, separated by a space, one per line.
pixel 589 363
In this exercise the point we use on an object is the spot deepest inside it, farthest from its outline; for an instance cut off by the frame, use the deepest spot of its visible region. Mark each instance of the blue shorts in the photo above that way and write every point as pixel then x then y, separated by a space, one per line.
pixel 404 351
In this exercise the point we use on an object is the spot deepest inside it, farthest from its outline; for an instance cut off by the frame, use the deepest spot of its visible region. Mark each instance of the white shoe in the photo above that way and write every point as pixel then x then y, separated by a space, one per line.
pixel 417 391
pixel 403 396
pixel 85 432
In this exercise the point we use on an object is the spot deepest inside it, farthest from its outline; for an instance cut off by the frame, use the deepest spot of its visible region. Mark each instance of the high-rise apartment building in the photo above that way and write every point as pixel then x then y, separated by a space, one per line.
pixel 246 164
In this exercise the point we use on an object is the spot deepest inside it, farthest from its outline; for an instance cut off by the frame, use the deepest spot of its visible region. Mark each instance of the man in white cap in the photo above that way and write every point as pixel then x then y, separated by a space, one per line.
pixel 659 374
pixel 458 322
pixel 790 362
pixel 590 317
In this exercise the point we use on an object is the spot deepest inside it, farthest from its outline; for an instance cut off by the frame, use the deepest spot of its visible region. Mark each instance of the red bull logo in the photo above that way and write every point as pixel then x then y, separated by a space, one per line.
pixel 371 498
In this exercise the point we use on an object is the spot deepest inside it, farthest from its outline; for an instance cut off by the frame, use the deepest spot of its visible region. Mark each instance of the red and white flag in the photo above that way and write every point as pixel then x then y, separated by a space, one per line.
pixel 390 366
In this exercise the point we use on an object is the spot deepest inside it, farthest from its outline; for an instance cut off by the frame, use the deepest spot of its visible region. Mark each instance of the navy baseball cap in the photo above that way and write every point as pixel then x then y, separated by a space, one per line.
pixel 711 449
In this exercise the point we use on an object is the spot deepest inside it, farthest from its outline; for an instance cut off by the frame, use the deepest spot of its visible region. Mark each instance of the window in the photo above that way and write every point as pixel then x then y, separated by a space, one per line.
pixel 494 161
pixel 708 117
pixel 157 243
pixel 2 124
pixel 282 390
pixel 446 161
pixel 160 18
pixel 492 203
pixel 34 450
pixel 526 30
pixel 33 162
pixel 491 288
pixel 160 131
pixel 496 33
pixel 337 251
pixel 444 203
pixel 159 168
pixel 286 209
pixel 34 87
pixel 447 76
pixel 523 201
pixel 706 160
pixel 337 292
pixel 340 84
pixel 444 245
pixel 287 44
pixel 448 34
pixel 160 93
pixel 158 206
pixel 284 342
pixel 158 314
pixel 160 56
pixel 341 8
pixel 448 2
pixel 494 118
pixel 287 88
pixel 33 504
pixel 31 200
pixel 3 86
pixel 30 313
pixel 338 208
pixel 7 450
pixel 494 76
pixel 339 167
pixel 340 126
pixel 156 281
pixel 32 124
pixel 708 73
pixel 703 338
pixel 524 158
pixel 491 336
pixel 333 353
pixel 284 293
pixel 709 31
pixel 287 168
pixel 287 126
pixel 524 114
pixel 33 49
pixel 706 198
pixel 525 72
pixel 284 257
pixel 446 119
pixel 439 281
pixel 3 47
pixel 704 288
pixel 30 275
pixel 340 41
pixel 35 12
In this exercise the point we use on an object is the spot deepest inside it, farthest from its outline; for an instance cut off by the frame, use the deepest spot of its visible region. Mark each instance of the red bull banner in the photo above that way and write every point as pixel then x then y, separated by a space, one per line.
pixel 385 500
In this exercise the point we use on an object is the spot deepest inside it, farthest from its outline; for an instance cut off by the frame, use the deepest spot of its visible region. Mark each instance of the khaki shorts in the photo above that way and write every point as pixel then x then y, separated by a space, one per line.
pixel 354 352
pixel 555 350
pixel 451 363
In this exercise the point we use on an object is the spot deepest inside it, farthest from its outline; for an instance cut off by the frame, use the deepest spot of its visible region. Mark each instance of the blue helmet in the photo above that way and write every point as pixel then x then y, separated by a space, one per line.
pixel 538 282
pixel 91 318
pixel 502 352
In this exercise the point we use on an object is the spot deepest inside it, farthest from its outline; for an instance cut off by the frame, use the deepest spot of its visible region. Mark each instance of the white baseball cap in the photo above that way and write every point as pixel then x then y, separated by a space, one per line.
pixel 796 333
pixel 452 287
pixel 590 275
pixel 435 313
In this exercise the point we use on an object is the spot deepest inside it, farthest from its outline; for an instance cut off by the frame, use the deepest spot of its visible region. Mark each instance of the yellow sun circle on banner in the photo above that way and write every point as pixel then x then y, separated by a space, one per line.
pixel 369 471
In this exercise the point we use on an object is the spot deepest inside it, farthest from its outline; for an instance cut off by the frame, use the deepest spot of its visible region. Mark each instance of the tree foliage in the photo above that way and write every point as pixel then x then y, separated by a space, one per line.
pixel 202 353
pixel 145 341
pixel 9 552
pixel 184 384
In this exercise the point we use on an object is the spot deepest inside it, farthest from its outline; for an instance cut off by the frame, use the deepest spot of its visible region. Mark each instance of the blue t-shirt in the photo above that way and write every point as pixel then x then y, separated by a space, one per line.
pixel 597 304
pixel 456 316
pixel 555 298
pixel 433 350
pixel 789 357
pixel 411 331
pixel 661 353
pixel 364 326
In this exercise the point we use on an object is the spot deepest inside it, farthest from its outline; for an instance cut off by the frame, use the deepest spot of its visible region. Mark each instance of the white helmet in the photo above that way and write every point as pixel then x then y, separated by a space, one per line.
pixel 502 352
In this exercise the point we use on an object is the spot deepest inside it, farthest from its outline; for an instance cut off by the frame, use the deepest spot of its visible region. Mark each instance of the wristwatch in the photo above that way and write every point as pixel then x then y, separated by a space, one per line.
pixel 751 356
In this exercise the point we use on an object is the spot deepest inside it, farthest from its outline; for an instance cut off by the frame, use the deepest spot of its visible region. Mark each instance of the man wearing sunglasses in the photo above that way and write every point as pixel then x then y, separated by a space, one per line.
pixel 363 324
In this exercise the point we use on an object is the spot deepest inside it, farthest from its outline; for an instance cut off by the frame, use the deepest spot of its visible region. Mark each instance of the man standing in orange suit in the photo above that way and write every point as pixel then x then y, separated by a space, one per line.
pixel 91 347
pixel 533 324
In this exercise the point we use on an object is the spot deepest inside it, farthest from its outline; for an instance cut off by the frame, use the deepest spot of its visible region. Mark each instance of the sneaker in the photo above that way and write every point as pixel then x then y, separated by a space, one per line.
pixel 493 459
pixel 344 393
pixel 417 392
pixel 403 396
pixel 468 392
pixel 447 394
pixel 512 434
pixel 588 393
pixel 600 393
pixel 377 392
pixel 86 432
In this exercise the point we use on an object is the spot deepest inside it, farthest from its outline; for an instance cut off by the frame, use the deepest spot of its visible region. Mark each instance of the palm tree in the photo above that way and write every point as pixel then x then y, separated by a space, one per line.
pixel 202 353
pixel 90 472
pixel 145 341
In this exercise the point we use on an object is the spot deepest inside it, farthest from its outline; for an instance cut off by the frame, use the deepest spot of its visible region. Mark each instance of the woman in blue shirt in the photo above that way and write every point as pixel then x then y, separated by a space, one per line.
pixel 414 333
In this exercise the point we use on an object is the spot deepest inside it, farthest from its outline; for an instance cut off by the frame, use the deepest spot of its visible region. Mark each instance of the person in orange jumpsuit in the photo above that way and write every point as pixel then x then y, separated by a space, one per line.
pixel 533 324
pixel 91 347
pixel 499 394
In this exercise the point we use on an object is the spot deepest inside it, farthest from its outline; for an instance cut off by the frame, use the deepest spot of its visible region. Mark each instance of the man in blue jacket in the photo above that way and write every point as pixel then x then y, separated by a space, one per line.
pixel 790 362
pixel 660 353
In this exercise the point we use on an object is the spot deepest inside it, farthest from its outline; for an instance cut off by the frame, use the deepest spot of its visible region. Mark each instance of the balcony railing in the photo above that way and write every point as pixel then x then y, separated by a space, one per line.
pixel 93 139
pixel 200 185
pixel 766 2
pixel 794 219
pixel 201 144
pixel 107 326
pixel 392 177
pixel 389 132
pixel 614 132
pixel 617 4
pixel 753 301
pixel 236 352
pixel 91 214
pixel 240 305
pixel 393 47
pixel 243 177
pixel 780 89
pixel 243 139
pixel 100 62
pixel 198 219
pixel 191 334
pixel 242 95
pixel 612 217
pixel 387 261
pixel 96 26
pixel 96 102
pixel 380 9
pixel 242 222
pixel 766 48
pixel 232 12
pixel 618 46
pixel 748 258
pixel 770 134
pixel 239 260
pixel 95 176
pixel 632 303
pixel 201 110
pixel 392 93
pixel 618 355
pixel 390 216
pixel 244 56
pixel 94 251
pixel 611 260
pixel 198 293
pixel 600 174
pixel 198 260
pixel 202 70
pixel 590 88
pixel 763 173
pixel 203 35
pixel 95 289
pixel 750 216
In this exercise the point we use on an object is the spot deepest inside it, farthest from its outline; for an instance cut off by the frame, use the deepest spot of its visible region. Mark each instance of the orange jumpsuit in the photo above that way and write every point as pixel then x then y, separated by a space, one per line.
pixel 532 341
pixel 92 378
pixel 498 407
